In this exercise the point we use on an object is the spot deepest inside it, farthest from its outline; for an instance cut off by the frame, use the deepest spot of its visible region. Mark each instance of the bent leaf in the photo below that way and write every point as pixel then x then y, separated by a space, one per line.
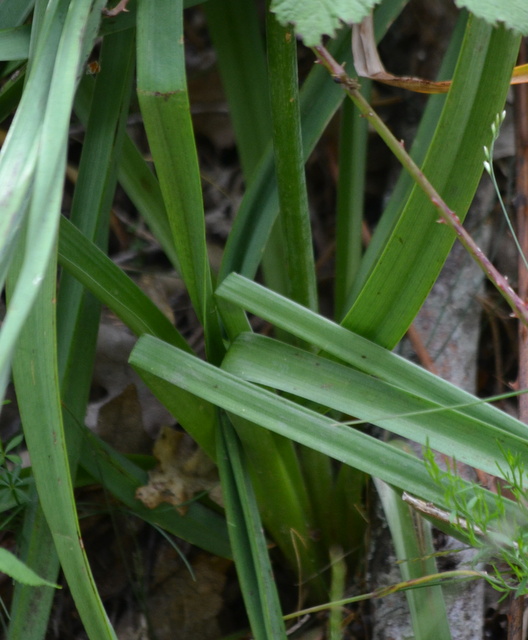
pixel 520 74
pixel 368 64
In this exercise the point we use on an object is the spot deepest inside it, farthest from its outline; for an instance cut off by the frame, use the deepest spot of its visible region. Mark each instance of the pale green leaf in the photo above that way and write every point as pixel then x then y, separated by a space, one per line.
pixel 314 18
pixel 15 568
pixel 514 13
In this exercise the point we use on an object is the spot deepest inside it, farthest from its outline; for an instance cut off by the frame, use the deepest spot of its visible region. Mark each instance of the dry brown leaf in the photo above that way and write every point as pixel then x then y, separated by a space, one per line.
pixel 157 286
pixel 186 606
pixel 520 74
pixel 120 423
pixel 112 375
pixel 181 473
pixel 368 64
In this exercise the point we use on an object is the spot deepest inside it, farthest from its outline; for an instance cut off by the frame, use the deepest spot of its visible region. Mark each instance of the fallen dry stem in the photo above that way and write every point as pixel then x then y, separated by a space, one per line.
pixel 447 216
pixel 424 581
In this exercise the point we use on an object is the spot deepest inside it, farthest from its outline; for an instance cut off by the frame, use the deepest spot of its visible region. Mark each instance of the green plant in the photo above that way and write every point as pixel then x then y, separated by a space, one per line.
pixel 13 487
pixel 500 538
pixel 266 410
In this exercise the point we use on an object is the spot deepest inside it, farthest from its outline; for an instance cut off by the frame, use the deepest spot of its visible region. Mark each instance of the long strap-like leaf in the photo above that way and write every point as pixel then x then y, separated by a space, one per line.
pixel 37 386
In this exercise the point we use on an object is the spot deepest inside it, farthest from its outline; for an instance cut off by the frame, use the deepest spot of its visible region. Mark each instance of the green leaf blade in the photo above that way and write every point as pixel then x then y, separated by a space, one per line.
pixel 37 387
pixel 273 364
pixel 164 103
pixel 20 572
pixel 283 416
pixel 295 274
pixel 247 538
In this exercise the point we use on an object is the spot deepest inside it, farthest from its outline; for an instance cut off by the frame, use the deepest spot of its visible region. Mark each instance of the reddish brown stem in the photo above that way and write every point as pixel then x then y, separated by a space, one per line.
pixel 515 617
pixel 521 137
pixel 119 8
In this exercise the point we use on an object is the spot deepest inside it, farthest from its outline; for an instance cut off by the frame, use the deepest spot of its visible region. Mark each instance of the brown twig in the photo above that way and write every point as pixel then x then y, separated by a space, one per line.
pixel 521 137
pixel 447 216
pixel 119 8
pixel 516 613
pixel 424 357
pixel 515 618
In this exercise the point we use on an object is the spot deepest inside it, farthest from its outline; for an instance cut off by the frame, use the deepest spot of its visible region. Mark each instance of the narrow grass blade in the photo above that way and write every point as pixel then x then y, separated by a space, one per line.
pixel 420 146
pixel 18 154
pixel 78 311
pixel 286 504
pixel 235 31
pixel 414 549
pixel 292 260
pixel 25 598
pixel 297 269
pixel 136 178
pixel 14 43
pixel 31 607
pixel 280 366
pixel 37 388
pixel 247 539
pixel 319 100
pixel 285 417
pixel 142 187
pixel 337 589
pixel 360 353
pixel 259 207
pixel 164 103
pixel 14 12
pixel 350 197
pixel 16 569
pixel 112 286
pixel 59 64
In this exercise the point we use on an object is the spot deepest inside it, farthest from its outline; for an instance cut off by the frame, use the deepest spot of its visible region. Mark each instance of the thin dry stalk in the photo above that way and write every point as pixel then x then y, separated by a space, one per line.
pixel 516 613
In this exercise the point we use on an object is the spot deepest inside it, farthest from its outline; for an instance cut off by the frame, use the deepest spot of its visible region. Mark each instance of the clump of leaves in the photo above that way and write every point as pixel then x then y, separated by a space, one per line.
pixel 13 487
pixel 501 540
